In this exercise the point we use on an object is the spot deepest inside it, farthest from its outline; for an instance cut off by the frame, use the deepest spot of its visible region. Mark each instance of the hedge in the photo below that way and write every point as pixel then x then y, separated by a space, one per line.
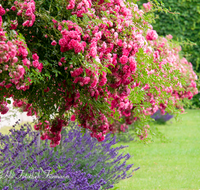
pixel 183 27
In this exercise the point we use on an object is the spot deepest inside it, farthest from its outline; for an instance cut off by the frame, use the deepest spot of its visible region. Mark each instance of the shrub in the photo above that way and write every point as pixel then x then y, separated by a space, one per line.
pixel 96 61
pixel 80 160
pixel 196 101
pixel 182 26
pixel 161 118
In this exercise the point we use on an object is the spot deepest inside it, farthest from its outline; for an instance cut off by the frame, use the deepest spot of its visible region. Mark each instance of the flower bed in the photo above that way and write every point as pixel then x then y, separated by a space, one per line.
pixel 81 161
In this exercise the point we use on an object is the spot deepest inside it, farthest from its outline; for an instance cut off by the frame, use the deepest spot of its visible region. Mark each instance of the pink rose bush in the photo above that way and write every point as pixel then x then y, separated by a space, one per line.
pixel 26 10
pixel 96 62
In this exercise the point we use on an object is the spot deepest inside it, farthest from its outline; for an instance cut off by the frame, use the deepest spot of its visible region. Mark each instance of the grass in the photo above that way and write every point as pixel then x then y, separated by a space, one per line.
pixel 173 165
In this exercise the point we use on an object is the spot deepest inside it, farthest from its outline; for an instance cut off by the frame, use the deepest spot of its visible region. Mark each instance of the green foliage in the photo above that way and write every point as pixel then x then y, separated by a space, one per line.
pixel 195 103
pixel 183 26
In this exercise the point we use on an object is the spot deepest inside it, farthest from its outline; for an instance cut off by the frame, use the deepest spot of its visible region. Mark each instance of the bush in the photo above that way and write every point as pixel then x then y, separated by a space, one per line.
pixel 161 118
pixel 94 61
pixel 182 26
pixel 81 161
pixel 196 101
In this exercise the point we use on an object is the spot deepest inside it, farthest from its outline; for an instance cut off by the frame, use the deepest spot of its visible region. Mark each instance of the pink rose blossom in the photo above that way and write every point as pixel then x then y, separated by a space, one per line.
pixel 2 11
pixel 123 60
pixel 47 89
pixel 13 8
pixel 40 67
pixel 35 63
pixel 53 43
pixel 169 36
pixel 151 35
pixel 73 118
pixel 35 56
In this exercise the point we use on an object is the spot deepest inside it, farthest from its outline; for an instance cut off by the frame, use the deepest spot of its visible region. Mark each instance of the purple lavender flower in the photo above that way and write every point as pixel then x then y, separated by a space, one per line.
pixel 161 118
pixel 79 162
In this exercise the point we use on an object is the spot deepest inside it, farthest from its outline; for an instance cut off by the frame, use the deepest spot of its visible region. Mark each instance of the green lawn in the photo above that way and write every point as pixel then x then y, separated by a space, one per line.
pixel 174 165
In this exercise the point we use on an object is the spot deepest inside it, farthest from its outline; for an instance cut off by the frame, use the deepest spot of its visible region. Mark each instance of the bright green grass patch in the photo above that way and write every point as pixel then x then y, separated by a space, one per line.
pixel 174 165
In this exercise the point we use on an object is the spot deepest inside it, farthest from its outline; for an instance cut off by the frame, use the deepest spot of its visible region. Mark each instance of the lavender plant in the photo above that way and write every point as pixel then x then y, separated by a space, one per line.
pixel 161 118
pixel 79 163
